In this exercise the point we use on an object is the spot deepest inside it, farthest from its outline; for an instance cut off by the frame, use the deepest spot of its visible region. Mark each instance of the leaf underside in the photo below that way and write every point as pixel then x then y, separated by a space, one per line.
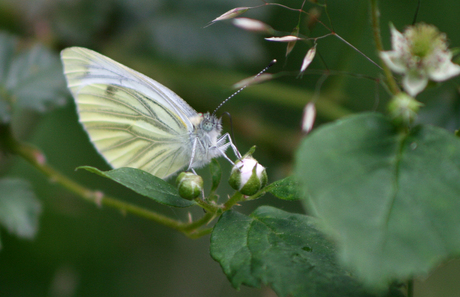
pixel 390 199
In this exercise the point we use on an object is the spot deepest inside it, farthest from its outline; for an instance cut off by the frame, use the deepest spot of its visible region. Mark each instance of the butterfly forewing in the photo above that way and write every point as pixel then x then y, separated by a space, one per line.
pixel 132 120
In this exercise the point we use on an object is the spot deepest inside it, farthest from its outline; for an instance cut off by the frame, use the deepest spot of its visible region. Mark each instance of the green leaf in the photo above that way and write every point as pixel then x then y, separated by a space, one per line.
pixel 30 79
pixel 36 79
pixel 5 112
pixel 19 209
pixel 145 184
pixel 286 189
pixel 283 250
pixel 216 174
pixel 389 199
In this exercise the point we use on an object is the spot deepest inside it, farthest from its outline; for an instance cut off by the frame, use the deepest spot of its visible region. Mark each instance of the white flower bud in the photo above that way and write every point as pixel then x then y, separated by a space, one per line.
pixel 403 108
pixel 248 176
pixel 189 185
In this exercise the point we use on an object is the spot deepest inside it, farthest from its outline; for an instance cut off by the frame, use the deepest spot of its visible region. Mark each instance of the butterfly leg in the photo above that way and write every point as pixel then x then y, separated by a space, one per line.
pixel 223 142
pixel 193 155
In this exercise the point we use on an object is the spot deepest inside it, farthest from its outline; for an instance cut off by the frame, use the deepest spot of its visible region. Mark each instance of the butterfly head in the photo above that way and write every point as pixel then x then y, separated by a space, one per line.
pixel 206 123
pixel 211 122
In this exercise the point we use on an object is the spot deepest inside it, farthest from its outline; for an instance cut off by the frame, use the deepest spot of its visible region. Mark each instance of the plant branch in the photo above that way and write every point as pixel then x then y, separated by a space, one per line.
pixel 37 159
pixel 237 197
pixel 378 44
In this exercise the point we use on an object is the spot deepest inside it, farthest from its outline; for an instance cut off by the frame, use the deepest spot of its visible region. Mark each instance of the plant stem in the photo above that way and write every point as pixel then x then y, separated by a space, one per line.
pixel 378 44
pixel 410 288
pixel 237 197
pixel 37 159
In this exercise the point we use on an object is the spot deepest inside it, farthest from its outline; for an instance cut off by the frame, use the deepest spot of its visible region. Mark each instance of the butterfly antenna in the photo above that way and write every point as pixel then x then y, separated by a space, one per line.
pixel 243 87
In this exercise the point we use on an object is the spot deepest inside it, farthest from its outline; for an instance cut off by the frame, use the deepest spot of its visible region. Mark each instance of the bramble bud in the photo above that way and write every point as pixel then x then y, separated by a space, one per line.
pixel 189 185
pixel 403 108
pixel 248 176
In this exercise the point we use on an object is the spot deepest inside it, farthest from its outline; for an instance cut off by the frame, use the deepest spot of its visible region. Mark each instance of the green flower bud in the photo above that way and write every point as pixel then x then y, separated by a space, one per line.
pixel 403 108
pixel 189 185
pixel 248 176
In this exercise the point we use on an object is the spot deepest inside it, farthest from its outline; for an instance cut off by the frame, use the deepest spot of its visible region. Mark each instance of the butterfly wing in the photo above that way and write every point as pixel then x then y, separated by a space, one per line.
pixel 132 120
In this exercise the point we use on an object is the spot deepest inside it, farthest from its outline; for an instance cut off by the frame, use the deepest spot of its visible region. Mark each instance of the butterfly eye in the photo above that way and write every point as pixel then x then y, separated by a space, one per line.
pixel 208 124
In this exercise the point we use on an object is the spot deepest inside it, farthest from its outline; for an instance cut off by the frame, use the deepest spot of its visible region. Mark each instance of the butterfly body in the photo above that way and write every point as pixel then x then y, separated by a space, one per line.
pixel 134 121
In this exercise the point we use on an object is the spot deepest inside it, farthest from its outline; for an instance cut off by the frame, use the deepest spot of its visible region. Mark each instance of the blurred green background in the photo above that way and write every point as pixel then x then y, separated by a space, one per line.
pixel 85 250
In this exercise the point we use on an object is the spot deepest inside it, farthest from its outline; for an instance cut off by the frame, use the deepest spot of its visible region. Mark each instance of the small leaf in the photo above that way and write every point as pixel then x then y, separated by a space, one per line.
pixel 283 250
pixel 390 199
pixel 216 174
pixel 30 78
pixel 35 79
pixel 286 189
pixel 5 112
pixel 19 208
pixel 145 184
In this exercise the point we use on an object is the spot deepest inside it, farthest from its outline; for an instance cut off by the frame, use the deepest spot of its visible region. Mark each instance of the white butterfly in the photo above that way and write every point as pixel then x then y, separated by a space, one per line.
pixel 134 121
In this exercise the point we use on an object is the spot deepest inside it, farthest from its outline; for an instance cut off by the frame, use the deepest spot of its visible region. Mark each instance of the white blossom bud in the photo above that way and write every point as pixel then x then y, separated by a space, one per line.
pixel 248 176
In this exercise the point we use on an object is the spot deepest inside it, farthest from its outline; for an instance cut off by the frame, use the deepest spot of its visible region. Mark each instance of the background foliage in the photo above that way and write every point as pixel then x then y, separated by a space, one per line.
pixel 82 250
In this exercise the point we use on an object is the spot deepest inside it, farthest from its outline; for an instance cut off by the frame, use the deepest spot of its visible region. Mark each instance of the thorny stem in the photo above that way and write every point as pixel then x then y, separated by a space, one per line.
pixel 36 158
pixel 378 44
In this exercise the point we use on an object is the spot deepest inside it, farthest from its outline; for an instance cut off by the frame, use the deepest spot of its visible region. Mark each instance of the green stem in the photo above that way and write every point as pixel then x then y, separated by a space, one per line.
pixel 410 288
pixel 193 226
pixel 208 207
pixel 393 86
pixel 36 158
pixel 237 197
